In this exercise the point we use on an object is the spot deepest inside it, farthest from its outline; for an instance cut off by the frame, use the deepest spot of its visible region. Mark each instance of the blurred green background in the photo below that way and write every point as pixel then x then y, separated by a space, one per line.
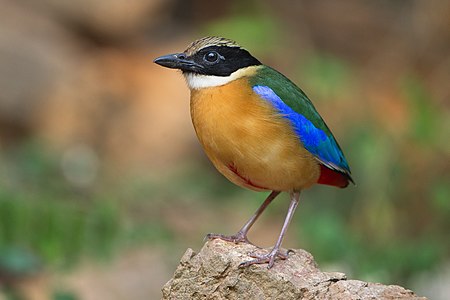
pixel 103 185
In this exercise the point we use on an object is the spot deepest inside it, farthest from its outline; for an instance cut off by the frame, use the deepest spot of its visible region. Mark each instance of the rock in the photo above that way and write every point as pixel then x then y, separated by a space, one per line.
pixel 214 273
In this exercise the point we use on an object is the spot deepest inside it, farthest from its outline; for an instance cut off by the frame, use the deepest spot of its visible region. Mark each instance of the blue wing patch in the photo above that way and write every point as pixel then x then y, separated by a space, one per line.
pixel 315 140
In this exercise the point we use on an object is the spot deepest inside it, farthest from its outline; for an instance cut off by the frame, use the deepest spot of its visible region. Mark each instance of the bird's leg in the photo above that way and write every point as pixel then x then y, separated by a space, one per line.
pixel 241 235
pixel 269 258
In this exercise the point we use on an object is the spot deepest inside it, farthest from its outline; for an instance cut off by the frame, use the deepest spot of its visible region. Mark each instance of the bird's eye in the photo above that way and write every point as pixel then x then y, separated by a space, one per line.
pixel 211 57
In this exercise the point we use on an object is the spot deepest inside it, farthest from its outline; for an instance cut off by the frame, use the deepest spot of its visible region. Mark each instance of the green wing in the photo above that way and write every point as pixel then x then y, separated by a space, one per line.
pixel 294 105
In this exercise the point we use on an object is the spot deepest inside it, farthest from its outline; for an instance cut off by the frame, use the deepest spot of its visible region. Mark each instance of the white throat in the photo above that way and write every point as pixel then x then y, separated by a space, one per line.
pixel 198 81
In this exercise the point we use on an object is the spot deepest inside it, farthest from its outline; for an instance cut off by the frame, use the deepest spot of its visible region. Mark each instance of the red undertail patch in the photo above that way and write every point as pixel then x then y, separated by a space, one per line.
pixel 331 177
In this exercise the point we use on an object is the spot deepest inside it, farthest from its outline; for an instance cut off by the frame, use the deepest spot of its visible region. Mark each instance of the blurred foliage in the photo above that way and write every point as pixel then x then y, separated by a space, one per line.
pixel 324 74
pixel 41 211
pixel 261 31
pixel 64 295
pixel 426 119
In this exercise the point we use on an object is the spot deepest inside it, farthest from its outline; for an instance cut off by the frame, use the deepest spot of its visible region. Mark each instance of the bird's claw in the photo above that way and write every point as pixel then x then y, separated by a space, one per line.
pixel 268 258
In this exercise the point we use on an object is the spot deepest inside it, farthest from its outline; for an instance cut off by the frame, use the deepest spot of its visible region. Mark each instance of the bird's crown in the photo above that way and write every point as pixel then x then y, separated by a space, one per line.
pixel 208 41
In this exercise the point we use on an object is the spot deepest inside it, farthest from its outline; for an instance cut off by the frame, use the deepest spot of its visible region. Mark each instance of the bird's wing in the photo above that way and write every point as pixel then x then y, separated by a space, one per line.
pixel 294 105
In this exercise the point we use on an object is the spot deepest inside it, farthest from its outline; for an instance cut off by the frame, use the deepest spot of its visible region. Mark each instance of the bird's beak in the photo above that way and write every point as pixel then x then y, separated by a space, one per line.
pixel 178 61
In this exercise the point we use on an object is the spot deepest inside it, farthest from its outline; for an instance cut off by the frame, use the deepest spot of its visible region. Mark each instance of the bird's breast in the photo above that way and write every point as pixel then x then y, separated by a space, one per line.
pixel 248 142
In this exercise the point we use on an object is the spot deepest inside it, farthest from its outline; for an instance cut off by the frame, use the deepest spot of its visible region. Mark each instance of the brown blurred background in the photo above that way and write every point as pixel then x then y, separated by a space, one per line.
pixel 103 184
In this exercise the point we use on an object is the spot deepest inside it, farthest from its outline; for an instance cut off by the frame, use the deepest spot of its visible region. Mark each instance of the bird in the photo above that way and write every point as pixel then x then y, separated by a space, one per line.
pixel 258 128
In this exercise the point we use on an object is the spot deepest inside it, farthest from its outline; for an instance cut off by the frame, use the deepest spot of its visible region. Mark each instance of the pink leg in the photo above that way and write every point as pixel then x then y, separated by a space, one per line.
pixel 269 258
pixel 241 235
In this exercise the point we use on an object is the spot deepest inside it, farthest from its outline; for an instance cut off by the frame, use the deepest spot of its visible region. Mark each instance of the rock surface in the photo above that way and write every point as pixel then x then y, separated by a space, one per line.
pixel 213 273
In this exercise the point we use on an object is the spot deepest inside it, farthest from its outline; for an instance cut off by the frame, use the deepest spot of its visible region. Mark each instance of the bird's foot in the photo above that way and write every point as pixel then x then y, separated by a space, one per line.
pixel 239 237
pixel 268 258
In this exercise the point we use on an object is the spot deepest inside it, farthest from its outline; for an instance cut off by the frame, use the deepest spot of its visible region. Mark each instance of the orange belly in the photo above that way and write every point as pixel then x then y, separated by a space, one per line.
pixel 248 142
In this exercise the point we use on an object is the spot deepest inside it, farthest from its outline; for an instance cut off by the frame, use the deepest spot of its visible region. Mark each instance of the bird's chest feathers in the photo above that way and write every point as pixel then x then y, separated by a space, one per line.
pixel 230 120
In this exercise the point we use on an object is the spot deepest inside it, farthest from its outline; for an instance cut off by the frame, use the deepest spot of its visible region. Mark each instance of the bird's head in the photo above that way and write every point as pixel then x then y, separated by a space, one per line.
pixel 210 61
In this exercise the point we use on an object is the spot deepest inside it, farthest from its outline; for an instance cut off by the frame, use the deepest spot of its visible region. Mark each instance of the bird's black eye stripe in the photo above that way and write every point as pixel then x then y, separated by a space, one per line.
pixel 222 60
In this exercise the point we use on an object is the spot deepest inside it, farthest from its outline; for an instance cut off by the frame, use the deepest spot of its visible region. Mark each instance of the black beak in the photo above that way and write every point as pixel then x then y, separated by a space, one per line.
pixel 178 61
